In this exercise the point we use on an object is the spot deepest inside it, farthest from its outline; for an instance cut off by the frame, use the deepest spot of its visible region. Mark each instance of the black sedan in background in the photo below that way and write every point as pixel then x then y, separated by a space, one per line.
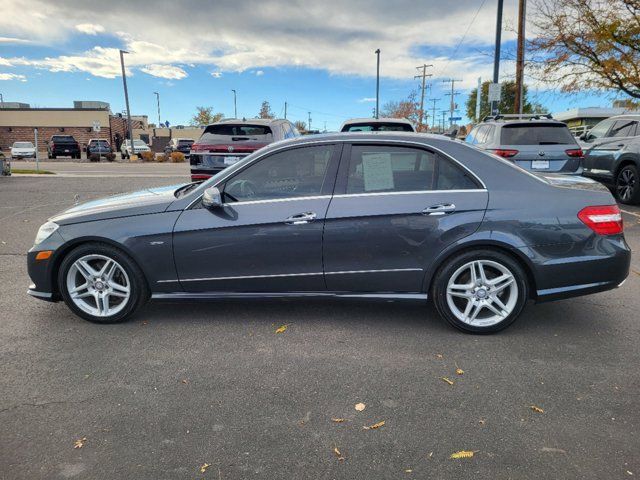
pixel 371 216
pixel 182 145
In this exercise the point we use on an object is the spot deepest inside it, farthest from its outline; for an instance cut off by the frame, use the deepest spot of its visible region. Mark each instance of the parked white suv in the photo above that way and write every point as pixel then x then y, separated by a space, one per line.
pixel 138 147
pixel 23 150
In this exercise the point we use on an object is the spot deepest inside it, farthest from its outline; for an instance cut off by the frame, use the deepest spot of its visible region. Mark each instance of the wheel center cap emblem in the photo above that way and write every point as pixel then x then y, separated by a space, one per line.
pixel 230 148
pixel 482 293
pixel 99 285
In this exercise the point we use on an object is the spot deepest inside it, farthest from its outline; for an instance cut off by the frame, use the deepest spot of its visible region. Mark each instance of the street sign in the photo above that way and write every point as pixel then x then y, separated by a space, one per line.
pixel 454 119
pixel 495 92
pixel 96 126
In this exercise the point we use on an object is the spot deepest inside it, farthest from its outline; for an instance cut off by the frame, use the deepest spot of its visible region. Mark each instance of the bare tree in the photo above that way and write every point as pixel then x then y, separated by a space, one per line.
pixel 265 110
pixel 408 108
pixel 587 44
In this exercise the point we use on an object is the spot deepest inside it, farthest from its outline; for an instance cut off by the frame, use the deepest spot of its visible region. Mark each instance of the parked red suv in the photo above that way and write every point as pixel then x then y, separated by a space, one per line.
pixel 229 141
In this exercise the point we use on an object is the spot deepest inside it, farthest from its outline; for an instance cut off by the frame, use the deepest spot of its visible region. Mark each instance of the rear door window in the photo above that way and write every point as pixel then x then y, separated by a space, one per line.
pixel 623 128
pixel 377 169
pixel 536 134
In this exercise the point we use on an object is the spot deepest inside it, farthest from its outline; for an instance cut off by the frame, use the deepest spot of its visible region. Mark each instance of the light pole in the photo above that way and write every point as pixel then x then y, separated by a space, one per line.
pixel 235 105
pixel 496 57
pixel 126 99
pixel 377 83
pixel 1 99
pixel 158 99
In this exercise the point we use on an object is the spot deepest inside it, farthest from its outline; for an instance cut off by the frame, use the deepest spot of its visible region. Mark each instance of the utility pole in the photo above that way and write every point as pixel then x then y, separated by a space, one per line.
pixel 285 110
pixel 478 98
pixel 519 100
pixel 496 55
pixel 444 112
pixel 424 76
pixel 158 98
pixel 235 105
pixel 309 127
pixel 126 100
pixel 378 83
pixel 452 105
pixel 1 99
pixel 435 119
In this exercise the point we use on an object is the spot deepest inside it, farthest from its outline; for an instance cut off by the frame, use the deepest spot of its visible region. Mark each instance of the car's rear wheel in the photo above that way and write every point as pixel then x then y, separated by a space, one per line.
pixel 628 185
pixel 101 283
pixel 480 291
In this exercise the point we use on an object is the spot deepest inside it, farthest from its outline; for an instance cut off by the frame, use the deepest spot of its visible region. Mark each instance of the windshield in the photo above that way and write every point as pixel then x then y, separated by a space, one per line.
pixel 185 142
pixel 536 134
pixel 62 138
pixel 222 132
pixel 23 145
pixel 378 127
pixel 136 143
pixel 600 129
pixel 102 143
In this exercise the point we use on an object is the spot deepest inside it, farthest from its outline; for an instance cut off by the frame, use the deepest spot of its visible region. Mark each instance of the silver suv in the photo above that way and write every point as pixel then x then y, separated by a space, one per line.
pixel 534 142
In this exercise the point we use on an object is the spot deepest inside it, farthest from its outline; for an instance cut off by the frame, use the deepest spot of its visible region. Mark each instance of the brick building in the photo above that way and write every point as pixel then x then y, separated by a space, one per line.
pixel 18 124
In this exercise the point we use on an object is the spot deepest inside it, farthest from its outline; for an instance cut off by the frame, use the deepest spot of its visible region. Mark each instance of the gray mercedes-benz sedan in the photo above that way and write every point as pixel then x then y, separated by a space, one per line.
pixel 377 215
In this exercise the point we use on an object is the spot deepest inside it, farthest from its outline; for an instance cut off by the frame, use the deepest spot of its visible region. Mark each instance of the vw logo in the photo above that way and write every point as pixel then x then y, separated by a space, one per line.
pixel 541 153
pixel 230 148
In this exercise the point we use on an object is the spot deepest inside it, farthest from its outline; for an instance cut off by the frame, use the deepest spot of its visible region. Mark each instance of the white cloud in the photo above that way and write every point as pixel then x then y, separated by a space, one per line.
pixel 12 76
pixel 367 100
pixel 90 28
pixel 259 73
pixel 11 40
pixel 216 74
pixel 335 36
pixel 165 71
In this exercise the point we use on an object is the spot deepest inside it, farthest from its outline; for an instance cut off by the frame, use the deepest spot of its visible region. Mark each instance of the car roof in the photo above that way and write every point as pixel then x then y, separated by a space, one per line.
pixel 630 116
pixel 377 120
pixel 249 121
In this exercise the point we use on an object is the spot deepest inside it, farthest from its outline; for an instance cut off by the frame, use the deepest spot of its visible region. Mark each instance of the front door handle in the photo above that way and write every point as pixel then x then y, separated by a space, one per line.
pixel 440 209
pixel 300 218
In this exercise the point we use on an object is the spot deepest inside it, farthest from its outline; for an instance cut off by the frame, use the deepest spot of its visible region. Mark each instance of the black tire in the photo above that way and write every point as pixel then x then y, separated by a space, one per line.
pixel 627 189
pixel 447 270
pixel 138 285
pixel 53 156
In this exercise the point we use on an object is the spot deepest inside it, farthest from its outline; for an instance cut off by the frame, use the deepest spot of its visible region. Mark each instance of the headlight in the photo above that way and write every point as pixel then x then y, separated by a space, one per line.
pixel 45 232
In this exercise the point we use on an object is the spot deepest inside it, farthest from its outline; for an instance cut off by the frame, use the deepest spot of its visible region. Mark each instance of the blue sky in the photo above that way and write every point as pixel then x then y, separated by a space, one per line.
pixel 318 59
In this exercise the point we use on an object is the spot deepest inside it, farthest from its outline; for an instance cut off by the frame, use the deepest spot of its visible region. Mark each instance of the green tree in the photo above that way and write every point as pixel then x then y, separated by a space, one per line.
pixel 506 103
pixel 205 116
pixel 265 110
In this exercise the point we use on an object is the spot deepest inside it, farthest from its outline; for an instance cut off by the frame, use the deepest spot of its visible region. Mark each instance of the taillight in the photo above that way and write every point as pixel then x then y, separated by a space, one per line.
pixel 602 219
pixel 574 152
pixel 53 145
pixel 505 153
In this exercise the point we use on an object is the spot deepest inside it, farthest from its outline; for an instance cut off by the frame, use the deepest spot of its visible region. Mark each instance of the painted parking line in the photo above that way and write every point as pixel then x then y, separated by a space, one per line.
pixel 630 213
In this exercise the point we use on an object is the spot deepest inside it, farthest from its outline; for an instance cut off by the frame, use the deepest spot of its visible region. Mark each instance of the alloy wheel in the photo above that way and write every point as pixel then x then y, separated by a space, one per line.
pixel 482 293
pixel 98 285
pixel 626 184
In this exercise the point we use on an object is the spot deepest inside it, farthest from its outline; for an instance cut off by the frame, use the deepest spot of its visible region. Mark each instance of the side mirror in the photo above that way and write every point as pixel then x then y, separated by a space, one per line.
pixel 212 198
pixel 583 136
pixel 452 133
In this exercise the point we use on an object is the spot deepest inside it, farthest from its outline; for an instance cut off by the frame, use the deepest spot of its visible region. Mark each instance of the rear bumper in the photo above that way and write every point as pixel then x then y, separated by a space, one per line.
pixel 567 271
pixel 200 173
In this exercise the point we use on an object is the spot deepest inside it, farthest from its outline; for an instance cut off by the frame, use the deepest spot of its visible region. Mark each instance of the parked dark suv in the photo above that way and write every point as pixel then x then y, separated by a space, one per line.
pixel 63 146
pixel 98 147
pixel 534 142
pixel 612 156
pixel 229 141
pixel 182 145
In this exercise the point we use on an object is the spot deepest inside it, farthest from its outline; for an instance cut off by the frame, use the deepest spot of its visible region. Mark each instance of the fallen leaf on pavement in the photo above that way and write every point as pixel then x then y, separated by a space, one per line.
pixel 338 420
pixel 459 371
pixel 481 421
pixel 184 380
pixel 374 426
pixel 537 409
pixel 360 406
pixel 338 454
pixel 281 329
pixel 204 467
pixel 408 470
pixel 79 443
pixel 462 454
pixel 445 379
pixel 439 355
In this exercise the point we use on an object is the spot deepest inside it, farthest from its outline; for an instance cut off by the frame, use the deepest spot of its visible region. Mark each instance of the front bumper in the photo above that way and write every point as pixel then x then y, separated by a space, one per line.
pixel 42 272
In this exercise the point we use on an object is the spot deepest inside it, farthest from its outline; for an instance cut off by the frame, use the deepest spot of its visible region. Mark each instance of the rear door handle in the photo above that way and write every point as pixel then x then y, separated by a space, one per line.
pixel 300 218
pixel 440 209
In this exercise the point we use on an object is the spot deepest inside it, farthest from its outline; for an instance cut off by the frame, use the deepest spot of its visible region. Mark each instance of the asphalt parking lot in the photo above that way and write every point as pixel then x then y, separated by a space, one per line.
pixel 184 385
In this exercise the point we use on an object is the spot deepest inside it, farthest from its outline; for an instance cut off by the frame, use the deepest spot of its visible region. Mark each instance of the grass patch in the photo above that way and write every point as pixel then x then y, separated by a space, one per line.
pixel 31 171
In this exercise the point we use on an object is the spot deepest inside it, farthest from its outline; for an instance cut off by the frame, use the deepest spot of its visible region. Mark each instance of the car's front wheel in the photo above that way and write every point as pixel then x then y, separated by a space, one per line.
pixel 102 284
pixel 480 291
pixel 628 185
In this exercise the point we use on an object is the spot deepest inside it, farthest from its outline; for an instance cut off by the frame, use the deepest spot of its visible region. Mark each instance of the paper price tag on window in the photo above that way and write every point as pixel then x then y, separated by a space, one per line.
pixel 377 171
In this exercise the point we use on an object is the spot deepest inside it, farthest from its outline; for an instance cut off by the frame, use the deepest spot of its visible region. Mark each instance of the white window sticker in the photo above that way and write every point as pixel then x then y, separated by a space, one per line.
pixel 378 174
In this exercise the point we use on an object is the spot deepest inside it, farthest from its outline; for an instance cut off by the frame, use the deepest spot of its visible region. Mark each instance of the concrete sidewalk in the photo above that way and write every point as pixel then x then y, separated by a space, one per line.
pixel 107 169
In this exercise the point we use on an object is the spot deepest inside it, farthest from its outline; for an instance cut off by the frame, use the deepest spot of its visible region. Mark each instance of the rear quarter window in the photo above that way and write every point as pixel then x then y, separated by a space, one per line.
pixel 536 134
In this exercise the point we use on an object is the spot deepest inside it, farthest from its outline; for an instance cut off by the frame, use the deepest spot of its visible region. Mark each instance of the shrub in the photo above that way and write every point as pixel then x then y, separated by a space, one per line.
pixel 177 157
pixel 94 157
pixel 147 156
pixel 161 158
pixel 111 157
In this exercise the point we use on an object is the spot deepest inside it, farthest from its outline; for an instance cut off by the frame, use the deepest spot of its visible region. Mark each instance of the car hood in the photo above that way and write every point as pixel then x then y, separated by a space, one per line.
pixel 143 202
